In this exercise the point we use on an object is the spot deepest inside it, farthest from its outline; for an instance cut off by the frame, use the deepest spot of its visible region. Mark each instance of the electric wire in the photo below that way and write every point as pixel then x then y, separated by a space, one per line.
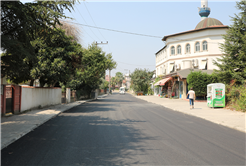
pixel 96 25
pixel 93 21
pixel 118 30
pixel 132 33
pixel 85 22
pixel 83 29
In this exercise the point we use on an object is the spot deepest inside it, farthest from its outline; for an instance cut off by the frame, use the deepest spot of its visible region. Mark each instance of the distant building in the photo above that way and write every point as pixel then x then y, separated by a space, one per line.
pixel 107 77
pixel 186 51
pixel 127 81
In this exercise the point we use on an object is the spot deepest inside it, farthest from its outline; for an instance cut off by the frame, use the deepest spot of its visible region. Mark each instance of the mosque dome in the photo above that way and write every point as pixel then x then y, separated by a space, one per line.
pixel 208 22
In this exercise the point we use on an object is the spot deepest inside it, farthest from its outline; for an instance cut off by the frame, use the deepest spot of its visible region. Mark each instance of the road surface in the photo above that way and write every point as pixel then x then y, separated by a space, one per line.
pixel 124 130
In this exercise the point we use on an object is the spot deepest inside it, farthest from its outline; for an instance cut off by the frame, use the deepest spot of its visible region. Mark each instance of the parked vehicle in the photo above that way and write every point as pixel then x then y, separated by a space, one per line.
pixel 122 90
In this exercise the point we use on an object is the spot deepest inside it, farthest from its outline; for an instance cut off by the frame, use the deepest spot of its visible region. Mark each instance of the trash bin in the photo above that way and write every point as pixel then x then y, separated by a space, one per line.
pixel 216 95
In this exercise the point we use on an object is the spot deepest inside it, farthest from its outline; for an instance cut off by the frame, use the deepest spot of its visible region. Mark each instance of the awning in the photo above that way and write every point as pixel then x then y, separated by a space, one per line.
pixel 163 81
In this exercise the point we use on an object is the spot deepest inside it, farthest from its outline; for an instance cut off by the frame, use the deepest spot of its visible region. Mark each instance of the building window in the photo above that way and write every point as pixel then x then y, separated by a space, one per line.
pixel 172 50
pixel 179 49
pixel 205 46
pixel 188 48
pixel 197 45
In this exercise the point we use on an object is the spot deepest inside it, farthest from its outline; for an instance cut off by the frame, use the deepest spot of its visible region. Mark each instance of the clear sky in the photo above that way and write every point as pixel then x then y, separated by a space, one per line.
pixel 155 18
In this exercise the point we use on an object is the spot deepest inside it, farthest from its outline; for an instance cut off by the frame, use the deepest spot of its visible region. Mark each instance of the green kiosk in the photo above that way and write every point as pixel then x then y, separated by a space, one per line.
pixel 216 95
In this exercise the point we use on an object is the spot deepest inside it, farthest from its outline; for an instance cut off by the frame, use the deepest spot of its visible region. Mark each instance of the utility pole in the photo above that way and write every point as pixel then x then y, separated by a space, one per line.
pixel 101 43
pixel 109 69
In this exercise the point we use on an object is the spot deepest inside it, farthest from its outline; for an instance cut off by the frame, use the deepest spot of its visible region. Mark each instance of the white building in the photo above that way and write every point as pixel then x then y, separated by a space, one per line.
pixel 127 81
pixel 190 50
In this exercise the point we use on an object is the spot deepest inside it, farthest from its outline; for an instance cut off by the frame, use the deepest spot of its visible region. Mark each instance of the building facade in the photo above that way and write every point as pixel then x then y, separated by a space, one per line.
pixel 193 50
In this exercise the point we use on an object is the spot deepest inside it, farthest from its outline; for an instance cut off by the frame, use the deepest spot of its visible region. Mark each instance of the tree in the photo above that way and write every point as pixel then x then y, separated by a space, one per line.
pixel 113 82
pixel 104 84
pixel 119 78
pixel 70 30
pixel 21 24
pixel 57 60
pixel 199 82
pixel 94 63
pixel 232 64
pixel 141 79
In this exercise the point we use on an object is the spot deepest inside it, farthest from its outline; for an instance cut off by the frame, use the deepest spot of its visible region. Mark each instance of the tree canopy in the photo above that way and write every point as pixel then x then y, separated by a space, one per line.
pixel 141 79
pixel 57 60
pixel 119 78
pixel 21 24
pixel 94 63
pixel 113 82
pixel 232 64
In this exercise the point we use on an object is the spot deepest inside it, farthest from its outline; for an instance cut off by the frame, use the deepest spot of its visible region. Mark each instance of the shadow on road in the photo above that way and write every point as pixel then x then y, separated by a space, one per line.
pixel 80 137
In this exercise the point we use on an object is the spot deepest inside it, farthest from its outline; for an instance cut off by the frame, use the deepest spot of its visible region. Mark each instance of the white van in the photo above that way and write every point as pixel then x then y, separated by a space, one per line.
pixel 122 90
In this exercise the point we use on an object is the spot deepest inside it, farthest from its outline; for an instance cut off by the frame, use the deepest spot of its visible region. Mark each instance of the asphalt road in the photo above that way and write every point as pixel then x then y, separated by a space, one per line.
pixel 124 130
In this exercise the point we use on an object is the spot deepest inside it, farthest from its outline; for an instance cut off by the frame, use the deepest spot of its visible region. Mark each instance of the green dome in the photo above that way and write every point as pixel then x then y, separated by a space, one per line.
pixel 208 22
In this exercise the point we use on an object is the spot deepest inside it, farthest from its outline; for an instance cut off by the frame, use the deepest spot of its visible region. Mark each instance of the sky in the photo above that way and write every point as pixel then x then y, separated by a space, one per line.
pixel 152 20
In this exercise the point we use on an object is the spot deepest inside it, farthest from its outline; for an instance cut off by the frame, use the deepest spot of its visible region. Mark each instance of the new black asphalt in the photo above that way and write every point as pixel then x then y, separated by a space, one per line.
pixel 124 130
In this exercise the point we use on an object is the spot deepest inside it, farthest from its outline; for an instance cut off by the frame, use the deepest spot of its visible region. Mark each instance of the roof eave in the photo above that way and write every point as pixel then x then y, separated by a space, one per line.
pixel 195 30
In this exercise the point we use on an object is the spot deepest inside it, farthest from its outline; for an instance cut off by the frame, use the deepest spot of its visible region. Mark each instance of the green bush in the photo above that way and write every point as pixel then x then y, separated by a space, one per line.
pixel 236 97
pixel 199 82
pixel 150 91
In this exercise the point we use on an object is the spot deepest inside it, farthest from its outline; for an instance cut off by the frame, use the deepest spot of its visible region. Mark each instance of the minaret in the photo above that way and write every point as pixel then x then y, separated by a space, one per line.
pixel 204 10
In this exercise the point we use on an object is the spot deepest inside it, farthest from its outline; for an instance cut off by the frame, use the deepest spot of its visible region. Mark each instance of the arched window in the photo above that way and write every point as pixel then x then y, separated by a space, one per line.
pixel 197 45
pixel 172 50
pixel 187 48
pixel 179 49
pixel 205 46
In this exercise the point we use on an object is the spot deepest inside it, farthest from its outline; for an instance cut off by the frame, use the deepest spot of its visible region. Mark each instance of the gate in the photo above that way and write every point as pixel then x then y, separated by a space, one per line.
pixel 9 99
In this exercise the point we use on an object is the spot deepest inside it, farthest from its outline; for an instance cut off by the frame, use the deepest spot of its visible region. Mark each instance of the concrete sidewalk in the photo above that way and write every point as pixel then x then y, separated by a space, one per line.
pixel 16 126
pixel 222 116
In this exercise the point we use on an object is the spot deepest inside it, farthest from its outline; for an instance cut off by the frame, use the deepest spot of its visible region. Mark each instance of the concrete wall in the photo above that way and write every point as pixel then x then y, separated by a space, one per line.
pixel 33 97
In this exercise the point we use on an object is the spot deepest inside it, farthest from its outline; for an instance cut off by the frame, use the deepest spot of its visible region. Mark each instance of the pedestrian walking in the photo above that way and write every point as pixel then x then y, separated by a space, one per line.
pixel 192 97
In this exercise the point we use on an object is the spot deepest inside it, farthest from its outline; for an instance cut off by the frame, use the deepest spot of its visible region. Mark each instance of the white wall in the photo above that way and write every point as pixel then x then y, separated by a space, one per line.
pixel 33 97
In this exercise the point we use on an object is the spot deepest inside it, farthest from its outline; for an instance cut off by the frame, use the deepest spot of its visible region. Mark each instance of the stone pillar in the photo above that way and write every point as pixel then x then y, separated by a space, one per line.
pixel 68 95
pixel 16 98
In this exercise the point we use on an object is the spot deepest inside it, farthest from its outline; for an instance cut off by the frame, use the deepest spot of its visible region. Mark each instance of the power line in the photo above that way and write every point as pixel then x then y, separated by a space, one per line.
pixel 96 25
pixel 84 29
pixel 93 20
pixel 85 22
pixel 117 30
